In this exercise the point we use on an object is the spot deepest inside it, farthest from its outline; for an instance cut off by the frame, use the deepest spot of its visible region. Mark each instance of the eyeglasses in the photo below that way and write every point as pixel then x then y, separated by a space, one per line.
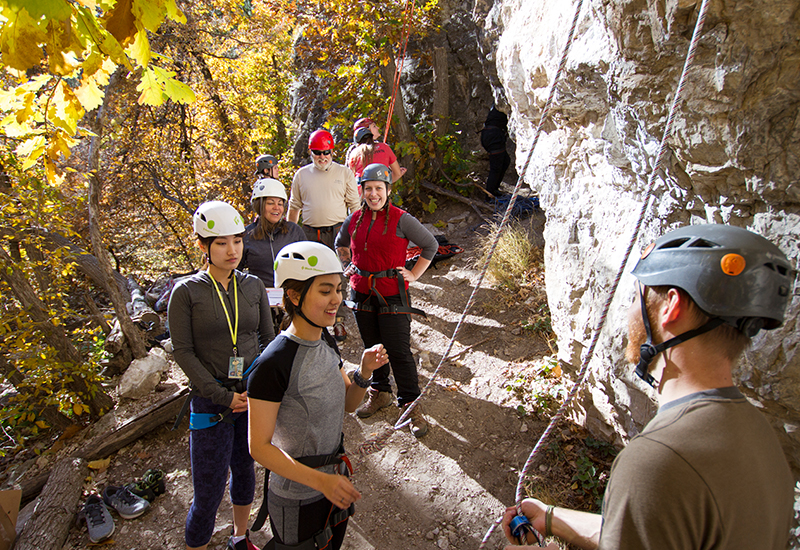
pixel 319 153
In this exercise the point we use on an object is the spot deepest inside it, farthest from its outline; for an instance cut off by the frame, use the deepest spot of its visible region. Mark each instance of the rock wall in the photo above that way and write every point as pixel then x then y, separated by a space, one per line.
pixel 734 158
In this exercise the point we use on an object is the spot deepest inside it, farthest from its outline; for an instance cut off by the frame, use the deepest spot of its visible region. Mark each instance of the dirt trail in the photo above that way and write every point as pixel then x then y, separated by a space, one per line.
pixel 442 491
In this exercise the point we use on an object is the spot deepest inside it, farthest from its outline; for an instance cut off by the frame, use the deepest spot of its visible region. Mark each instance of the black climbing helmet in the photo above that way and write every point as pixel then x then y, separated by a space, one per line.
pixel 376 172
pixel 360 135
pixel 264 162
pixel 728 271
pixel 734 276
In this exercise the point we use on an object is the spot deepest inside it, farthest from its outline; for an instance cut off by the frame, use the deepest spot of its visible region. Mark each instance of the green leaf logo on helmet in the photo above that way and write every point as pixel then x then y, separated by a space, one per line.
pixel 217 219
pixel 304 260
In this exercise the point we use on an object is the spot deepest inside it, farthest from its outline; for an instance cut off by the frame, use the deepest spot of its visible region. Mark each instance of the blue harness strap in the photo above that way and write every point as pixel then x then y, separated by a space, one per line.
pixel 201 421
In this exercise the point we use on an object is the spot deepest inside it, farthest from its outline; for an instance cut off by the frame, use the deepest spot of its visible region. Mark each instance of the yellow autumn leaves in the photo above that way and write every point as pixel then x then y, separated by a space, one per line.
pixel 58 57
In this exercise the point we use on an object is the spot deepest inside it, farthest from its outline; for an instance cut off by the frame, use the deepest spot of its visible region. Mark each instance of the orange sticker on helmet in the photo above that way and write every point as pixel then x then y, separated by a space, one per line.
pixel 732 264
pixel 648 250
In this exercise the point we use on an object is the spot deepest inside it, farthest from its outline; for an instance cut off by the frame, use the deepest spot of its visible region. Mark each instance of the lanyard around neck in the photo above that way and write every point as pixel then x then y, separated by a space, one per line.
pixel 234 329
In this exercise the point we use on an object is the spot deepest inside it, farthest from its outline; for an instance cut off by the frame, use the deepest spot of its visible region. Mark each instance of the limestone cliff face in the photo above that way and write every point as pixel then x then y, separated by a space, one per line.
pixel 734 158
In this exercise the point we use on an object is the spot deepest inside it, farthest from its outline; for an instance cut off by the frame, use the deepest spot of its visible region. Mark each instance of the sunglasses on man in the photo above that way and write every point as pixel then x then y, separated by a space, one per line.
pixel 318 153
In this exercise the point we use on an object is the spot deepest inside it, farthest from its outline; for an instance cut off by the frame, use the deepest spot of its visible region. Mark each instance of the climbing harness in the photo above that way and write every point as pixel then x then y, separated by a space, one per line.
pixel 399 70
pixel 385 308
pixel 322 539
pixel 345 468
pixel 446 250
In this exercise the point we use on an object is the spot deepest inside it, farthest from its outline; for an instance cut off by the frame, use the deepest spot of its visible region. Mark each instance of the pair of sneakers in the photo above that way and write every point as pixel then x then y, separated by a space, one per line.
pixel 98 518
pixel 150 486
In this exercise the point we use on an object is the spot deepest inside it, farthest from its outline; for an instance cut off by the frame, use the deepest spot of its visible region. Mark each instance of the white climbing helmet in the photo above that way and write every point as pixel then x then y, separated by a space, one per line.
pixel 268 187
pixel 304 260
pixel 217 219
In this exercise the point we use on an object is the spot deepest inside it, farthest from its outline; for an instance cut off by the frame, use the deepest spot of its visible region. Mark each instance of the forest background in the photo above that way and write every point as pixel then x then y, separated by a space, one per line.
pixel 119 117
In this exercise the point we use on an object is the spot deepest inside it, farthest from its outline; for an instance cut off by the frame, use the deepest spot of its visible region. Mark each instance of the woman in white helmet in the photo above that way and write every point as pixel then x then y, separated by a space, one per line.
pixel 298 395
pixel 219 321
pixel 270 232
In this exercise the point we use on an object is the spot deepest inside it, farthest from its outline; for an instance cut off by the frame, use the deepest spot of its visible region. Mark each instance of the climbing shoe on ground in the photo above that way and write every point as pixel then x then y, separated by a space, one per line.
pixel 419 426
pixel 98 519
pixel 126 504
pixel 243 544
pixel 339 332
pixel 376 400
pixel 151 485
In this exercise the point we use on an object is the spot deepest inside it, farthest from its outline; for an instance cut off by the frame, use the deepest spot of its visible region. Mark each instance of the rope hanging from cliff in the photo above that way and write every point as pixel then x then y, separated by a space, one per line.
pixel 399 68
pixel 658 170
pixel 378 441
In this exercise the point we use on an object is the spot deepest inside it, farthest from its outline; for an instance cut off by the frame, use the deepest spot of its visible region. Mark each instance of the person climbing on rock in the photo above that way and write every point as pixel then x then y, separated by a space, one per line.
pixel 373 241
pixel 220 321
pixel 325 192
pixel 493 138
pixel 701 468
pixel 298 394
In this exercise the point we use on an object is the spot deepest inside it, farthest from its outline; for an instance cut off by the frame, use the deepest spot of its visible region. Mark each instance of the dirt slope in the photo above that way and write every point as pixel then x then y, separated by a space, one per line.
pixel 443 491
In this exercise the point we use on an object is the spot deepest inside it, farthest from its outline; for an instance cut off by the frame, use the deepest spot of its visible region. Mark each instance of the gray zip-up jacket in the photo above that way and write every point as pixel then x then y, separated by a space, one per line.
pixel 200 334
pixel 259 255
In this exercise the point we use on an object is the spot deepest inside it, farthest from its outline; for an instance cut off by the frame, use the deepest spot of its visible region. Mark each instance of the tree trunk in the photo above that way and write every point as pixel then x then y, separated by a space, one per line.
pixel 402 128
pixel 132 334
pixel 54 335
pixel 54 514
pixel 88 264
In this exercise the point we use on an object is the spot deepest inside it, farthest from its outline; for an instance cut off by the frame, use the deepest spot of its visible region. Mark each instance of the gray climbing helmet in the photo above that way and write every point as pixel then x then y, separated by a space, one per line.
pixel 264 162
pixel 731 273
pixel 376 172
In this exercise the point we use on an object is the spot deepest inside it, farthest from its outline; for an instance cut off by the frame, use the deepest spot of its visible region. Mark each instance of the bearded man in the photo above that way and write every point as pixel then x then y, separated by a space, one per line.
pixel 707 472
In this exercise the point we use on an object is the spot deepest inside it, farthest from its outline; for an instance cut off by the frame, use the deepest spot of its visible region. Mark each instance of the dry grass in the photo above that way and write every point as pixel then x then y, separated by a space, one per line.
pixel 516 261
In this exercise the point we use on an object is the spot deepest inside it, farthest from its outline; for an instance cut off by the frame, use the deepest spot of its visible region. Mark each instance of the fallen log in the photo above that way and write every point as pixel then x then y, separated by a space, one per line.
pixel 115 339
pixel 132 429
pixel 55 512
pixel 453 195
pixel 141 312
pixel 103 445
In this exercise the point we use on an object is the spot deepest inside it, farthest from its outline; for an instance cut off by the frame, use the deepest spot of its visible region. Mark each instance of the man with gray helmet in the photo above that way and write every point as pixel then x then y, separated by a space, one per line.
pixel 707 471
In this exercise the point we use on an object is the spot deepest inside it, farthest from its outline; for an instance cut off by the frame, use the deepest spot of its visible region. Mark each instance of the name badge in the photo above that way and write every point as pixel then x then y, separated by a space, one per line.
pixel 275 296
pixel 235 367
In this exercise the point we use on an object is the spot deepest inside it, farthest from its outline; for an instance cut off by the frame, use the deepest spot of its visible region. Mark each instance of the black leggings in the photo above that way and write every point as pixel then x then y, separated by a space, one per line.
pixel 394 332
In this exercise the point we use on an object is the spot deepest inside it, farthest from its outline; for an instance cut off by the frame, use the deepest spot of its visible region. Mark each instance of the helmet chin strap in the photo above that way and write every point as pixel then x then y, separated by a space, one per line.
pixel 648 351
pixel 300 305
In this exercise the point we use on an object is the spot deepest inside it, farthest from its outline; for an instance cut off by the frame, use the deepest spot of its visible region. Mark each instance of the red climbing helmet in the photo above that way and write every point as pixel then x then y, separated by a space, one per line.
pixel 363 123
pixel 320 140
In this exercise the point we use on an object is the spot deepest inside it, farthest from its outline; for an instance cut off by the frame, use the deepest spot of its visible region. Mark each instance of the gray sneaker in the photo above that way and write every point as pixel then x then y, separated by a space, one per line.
pixel 98 519
pixel 126 504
